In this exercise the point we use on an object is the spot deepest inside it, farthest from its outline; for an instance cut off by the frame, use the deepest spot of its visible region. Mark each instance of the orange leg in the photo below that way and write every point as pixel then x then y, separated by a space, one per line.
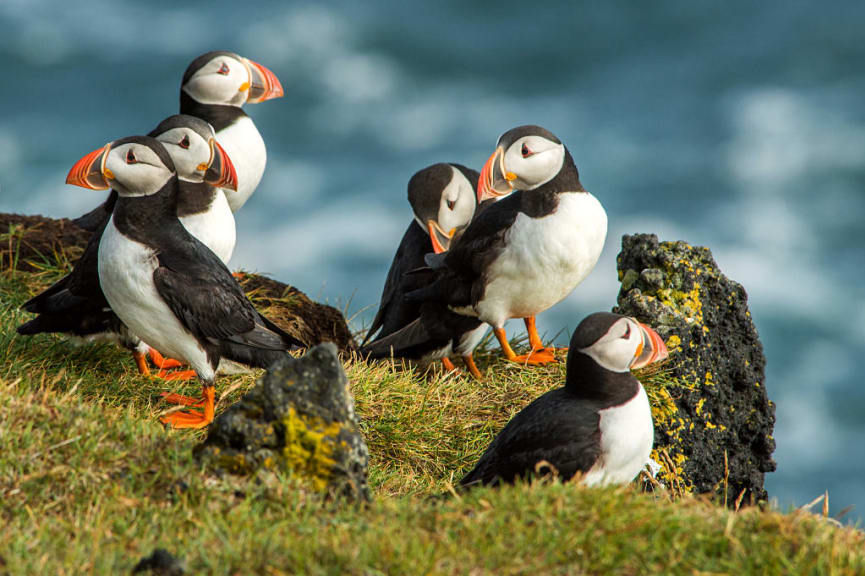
pixel 473 369
pixel 194 418
pixel 238 275
pixel 539 357
pixel 141 363
pixel 535 339
pixel 449 366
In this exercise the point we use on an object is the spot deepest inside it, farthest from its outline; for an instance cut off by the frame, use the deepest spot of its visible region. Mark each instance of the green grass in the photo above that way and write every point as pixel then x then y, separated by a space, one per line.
pixel 90 482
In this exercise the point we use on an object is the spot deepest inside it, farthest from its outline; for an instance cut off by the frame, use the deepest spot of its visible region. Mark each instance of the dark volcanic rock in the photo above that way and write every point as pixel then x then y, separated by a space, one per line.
pixel 715 353
pixel 293 311
pixel 299 417
pixel 36 239
pixel 25 240
pixel 160 563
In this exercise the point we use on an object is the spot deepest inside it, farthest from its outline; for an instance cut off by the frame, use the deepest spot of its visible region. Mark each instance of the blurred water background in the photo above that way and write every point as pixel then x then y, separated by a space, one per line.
pixel 735 125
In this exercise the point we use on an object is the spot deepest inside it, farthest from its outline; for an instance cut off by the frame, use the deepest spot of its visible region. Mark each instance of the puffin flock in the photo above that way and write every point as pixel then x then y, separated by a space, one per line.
pixel 508 242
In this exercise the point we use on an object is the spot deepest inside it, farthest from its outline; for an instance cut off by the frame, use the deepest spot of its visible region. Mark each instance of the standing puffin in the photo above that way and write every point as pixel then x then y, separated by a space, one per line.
pixel 442 197
pixel 599 424
pixel 528 251
pixel 164 284
pixel 76 304
pixel 215 87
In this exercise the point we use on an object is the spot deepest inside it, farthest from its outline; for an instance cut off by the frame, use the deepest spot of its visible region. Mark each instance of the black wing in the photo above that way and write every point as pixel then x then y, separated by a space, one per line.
pixel 461 274
pixel 208 301
pixel 394 312
pixel 556 428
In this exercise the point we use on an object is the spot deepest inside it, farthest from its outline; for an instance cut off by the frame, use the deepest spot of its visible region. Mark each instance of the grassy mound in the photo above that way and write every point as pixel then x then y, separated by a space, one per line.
pixel 90 482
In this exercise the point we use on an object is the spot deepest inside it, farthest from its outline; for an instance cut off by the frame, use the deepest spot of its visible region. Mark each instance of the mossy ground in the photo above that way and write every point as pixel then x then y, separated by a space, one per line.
pixel 90 482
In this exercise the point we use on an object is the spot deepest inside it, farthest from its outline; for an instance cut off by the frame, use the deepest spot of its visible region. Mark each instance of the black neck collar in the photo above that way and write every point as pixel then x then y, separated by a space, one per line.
pixel 218 115
pixel 544 199
pixel 587 379
pixel 145 219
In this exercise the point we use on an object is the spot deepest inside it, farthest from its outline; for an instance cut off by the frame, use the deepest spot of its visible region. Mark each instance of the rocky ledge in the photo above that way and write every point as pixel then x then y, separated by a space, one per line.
pixel 713 417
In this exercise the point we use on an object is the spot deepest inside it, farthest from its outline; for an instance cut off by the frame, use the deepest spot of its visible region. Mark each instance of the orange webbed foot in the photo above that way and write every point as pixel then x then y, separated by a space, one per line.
pixel 535 357
pixel 161 361
pixel 174 398
pixel 179 375
pixel 193 418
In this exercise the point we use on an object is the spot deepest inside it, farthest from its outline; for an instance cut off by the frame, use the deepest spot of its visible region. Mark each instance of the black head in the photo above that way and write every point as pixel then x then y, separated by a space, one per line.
pixel 443 200
pixel 610 343
pixel 227 79
pixel 528 158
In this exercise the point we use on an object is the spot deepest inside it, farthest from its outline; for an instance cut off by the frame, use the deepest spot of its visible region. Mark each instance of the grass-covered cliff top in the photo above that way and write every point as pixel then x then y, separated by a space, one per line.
pixel 90 482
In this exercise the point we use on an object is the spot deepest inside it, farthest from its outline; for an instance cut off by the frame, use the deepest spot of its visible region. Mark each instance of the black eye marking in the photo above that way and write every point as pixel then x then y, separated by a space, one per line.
pixel 185 142
pixel 627 333
pixel 451 204
pixel 223 69
pixel 525 151
pixel 130 157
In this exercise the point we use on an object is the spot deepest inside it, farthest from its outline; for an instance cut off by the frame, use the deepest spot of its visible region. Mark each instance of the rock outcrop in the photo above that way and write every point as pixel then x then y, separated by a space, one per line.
pixel 299 417
pixel 714 421
pixel 28 241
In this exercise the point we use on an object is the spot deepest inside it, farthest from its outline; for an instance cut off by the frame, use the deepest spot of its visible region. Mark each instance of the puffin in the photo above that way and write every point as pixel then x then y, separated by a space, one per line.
pixel 599 424
pixel 165 285
pixel 528 250
pixel 443 201
pixel 76 305
pixel 214 88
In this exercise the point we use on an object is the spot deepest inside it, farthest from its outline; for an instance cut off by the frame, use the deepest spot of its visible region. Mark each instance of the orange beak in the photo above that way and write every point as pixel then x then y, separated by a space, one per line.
pixel 263 84
pixel 440 240
pixel 495 181
pixel 652 349
pixel 89 172
pixel 221 172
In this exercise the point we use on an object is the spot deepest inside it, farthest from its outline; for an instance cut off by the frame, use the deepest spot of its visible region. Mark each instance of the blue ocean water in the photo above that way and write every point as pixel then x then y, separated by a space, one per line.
pixel 735 125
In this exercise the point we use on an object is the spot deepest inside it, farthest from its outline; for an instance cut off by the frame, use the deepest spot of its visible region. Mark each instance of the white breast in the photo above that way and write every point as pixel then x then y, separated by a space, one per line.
pixel 627 435
pixel 126 276
pixel 245 147
pixel 215 227
pixel 544 259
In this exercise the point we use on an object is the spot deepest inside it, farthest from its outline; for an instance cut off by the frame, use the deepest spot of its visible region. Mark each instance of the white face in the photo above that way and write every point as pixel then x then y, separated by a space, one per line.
pixel 534 160
pixel 457 203
pixel 135 170
pixel 224 80
pixel 191 153
pixel 616 349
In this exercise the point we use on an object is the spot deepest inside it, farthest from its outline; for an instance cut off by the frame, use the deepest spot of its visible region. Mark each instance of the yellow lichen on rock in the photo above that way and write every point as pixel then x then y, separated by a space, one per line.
pixel 309 447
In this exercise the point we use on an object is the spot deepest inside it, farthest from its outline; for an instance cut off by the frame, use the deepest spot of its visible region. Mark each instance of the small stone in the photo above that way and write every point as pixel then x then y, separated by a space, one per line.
pixel 160 563
pixel 652 278
pixel 298 417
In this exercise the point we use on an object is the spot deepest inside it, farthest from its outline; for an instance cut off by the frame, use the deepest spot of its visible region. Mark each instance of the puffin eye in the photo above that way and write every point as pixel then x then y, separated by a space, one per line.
pixel 451 204
pixel 185 142
pixel 223 69
pixel 525 151
pixel 627 333
pixel 130 157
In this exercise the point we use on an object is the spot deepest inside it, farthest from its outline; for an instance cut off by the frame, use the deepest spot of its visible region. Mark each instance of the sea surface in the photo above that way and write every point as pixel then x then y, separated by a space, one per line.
pixel 735 125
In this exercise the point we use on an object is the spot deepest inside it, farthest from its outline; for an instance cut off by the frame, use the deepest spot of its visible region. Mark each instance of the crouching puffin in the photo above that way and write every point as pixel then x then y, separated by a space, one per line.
pixel 76 305
pixel 528 251
pixel 442 197
pixel 163 283
pixel 598 424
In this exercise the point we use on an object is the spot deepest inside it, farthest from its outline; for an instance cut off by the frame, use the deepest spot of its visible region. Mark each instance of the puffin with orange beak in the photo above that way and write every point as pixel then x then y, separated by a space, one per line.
pixel 442 197
pixel 215 87
pixel 167 287
pixel 598 424
pixel 76 305
pixel 527 251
